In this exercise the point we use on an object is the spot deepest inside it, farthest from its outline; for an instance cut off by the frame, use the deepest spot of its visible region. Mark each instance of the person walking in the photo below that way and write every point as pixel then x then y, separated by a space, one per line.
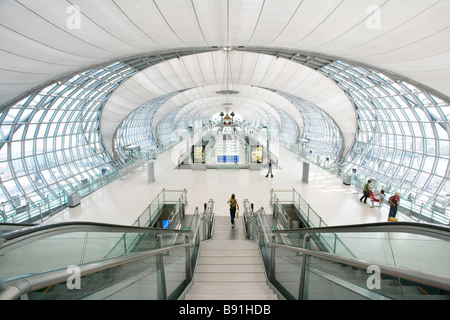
pixel 393 206
pixel 270 169
pixel 233 206
pixel 366 191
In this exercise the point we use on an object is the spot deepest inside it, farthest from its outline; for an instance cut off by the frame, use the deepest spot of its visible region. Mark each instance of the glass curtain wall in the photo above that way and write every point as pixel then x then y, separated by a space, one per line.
pixel 50 141
pixel 402 138
pixel 166 130
pixel 321 135
pixel 136 128
pixel 288 130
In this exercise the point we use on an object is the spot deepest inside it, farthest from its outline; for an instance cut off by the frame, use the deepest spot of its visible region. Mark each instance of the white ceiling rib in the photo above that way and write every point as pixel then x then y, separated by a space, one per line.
pixel 406 38
pixel 413 39
pixel 254 70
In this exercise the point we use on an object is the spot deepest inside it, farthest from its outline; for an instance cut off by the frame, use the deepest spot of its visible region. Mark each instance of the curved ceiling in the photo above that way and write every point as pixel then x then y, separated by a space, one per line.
pixel 43 41
pixel 245 71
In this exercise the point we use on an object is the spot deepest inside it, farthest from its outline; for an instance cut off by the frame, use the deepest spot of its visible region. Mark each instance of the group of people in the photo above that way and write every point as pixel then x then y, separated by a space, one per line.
pixel 378 196
pixel 374 196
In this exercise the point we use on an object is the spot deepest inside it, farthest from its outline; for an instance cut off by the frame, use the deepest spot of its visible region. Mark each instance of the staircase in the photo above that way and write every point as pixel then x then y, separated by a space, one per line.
pixel 229 267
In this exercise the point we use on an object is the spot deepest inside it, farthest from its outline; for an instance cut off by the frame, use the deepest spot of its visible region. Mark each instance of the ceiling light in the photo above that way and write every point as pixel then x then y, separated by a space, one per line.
pixel 227 92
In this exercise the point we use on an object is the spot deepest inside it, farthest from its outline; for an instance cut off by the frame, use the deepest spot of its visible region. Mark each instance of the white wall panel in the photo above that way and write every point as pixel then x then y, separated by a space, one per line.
pixel 411 36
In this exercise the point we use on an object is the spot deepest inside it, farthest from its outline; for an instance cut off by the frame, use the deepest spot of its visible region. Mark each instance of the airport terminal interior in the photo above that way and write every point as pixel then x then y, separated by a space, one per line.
pixel 127 126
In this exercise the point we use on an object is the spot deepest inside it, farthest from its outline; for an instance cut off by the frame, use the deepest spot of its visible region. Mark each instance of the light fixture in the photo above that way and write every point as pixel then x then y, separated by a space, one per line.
pixel 227 92
pixel 225 83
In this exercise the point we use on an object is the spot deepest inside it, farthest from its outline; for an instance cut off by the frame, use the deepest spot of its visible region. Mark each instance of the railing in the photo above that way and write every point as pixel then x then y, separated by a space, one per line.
pixel 305 273
pixel 148 217
pixel 208 218
pixel 151 214
pixel 384 243
pixel 23 209
pixel 408 205
pixel 161 252
pixel 31 250
pixel 328 242
pixel 154 260
pixel 278 198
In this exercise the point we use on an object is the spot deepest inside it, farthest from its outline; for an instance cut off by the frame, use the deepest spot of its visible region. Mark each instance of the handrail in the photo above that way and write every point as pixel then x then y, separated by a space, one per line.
pixel 38 232
pixel 148 216
pixel 307 216
pixel 31 283
pixel 36 282
pixel 435 231
pixel 267 242
pixel 259 215
pixel 33 210
pixel 8 227
pixel 420 211
pixel 437 281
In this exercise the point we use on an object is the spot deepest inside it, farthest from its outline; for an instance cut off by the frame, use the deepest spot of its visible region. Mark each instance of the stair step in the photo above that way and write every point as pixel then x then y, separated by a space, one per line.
pixel 229 267
pixel 236 252
pixel 211 287
pixel 221 268
pixel 228 260
pixel 230 277
pixel 195 296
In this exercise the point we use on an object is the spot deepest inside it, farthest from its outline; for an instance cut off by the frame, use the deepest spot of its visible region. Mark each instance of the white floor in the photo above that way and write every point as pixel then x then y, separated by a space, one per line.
pixel 122 201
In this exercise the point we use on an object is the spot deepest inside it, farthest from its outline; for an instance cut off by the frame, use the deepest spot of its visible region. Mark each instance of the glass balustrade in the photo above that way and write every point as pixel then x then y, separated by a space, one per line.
pixel 158 262
pixel 77 248
pixel 374 261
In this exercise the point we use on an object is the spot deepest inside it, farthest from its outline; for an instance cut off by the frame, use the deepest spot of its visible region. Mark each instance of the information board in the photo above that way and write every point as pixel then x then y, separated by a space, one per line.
pixel 228 150
pixel 199 154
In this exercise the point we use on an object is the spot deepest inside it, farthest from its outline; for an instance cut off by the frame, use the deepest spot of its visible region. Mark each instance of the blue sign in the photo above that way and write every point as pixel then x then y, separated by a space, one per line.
pixel 227 159
pixel 165 224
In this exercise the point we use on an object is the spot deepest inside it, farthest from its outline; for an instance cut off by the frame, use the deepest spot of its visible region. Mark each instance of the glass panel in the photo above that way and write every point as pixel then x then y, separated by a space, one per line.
pixel 59 127
pixel 287 270
pixel 414 127
pixel 76 248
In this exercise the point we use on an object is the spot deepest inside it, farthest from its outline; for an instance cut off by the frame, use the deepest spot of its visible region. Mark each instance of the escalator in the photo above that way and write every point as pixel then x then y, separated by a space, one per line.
pixel 380 261
pixel 99 261
pixel 102 261
pixel 8 227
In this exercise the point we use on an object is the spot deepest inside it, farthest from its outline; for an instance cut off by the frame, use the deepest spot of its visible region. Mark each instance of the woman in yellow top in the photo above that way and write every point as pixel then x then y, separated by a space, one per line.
pixel 233 205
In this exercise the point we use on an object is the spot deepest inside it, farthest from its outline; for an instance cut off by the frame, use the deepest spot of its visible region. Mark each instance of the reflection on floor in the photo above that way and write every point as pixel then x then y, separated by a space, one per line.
pixel 122 201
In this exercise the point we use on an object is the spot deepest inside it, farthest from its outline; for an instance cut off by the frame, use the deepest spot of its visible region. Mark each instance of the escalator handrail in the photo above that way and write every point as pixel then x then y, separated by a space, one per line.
pixel 14 226
pixel 25 235
pixel 431 230
pixel 44 280
pixel 437 281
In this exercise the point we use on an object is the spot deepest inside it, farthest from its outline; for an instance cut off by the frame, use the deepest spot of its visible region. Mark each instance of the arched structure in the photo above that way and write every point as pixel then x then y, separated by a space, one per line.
pixel 366 82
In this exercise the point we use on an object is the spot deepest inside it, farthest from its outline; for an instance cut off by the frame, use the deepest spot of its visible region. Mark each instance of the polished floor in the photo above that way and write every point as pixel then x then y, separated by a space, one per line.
pixel 123 200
